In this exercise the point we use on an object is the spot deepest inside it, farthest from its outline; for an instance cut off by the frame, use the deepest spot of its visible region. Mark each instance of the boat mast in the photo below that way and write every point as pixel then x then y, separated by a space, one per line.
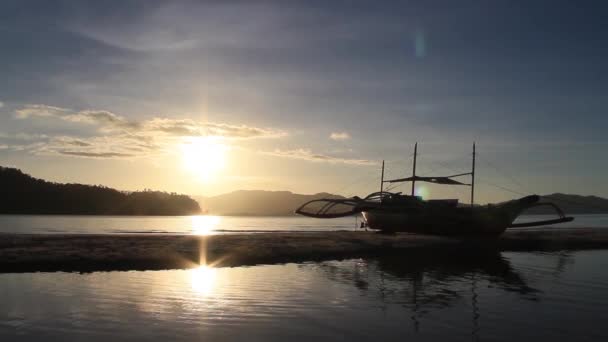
pixel 382 178
pixel 414 169
pixel 473 178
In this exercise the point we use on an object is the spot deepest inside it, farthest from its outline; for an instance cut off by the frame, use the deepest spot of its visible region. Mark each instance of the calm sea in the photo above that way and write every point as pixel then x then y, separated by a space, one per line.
pixel 206 224
pixel 484 296
pixel 491 296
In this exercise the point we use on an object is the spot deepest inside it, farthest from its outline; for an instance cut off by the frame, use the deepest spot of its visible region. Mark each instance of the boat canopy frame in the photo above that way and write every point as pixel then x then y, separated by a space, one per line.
pixel 446 180
pixel 443 180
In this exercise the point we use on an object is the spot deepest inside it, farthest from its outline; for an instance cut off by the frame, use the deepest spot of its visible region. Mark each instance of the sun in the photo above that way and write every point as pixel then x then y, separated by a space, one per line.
pixel 205 157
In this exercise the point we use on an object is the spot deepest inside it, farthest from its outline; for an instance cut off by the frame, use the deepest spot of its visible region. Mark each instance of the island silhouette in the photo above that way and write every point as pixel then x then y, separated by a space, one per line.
pixel 24 194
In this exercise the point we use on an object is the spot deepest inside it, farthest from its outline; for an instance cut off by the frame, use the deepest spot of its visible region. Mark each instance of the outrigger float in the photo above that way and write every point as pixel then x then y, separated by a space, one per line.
pixel 391 212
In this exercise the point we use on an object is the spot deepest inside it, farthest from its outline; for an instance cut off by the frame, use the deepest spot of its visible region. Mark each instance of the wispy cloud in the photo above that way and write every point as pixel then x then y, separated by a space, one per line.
pixel 187 127
pixel 339 136
pixel 307 154
pixel 22 136
pixel 108 121
pixel 120 137
pixel 96 154
pixel 69 141
pixel 114 146
pixel 37 110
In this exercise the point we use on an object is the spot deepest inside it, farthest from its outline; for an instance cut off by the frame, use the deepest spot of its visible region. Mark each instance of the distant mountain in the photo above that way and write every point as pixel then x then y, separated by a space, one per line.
pixel 573 204
pixel 23 194
pixel 283 203
pixel 257 202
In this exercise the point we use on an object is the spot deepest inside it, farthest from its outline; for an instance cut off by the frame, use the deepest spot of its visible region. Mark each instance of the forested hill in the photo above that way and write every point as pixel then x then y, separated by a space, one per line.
pixel 23 194
pixel 283 203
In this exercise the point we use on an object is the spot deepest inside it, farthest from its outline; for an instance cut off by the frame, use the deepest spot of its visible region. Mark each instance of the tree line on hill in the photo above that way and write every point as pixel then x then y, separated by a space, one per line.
pixel 24 194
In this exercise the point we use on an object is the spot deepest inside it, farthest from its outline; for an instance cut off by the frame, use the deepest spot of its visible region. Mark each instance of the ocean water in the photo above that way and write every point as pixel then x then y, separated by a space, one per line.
pixel 485 296
pixel 35 224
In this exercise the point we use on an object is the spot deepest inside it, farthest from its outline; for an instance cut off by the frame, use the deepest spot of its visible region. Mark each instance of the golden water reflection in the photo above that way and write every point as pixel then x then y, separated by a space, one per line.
pixel 202 279
pixel 204 224
pixel 422 295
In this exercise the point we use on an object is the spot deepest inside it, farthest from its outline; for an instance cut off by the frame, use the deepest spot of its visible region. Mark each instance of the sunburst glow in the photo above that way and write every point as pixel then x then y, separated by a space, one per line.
pixel 204 224
pixel 203 279
pixel 205 157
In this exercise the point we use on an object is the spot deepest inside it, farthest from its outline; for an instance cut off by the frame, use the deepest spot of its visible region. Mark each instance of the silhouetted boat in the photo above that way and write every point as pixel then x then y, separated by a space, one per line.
pixel 394 212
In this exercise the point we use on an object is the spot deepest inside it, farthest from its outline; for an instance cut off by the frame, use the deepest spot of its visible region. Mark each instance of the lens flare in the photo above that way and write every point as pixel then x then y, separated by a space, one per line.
pixel 422 191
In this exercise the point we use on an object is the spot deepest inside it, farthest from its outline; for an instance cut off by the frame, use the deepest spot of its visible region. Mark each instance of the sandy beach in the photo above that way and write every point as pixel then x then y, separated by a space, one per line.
pixel 85 253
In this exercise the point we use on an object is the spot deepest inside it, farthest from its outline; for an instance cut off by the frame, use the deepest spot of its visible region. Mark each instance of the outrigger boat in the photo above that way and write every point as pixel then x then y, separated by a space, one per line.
pixel 391 212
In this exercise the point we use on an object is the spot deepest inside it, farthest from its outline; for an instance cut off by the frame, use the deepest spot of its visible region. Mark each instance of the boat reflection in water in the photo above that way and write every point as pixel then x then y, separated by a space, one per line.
pixel 428 281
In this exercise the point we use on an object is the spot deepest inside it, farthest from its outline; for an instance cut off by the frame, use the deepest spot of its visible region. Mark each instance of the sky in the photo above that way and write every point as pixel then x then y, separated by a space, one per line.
pixel 207 97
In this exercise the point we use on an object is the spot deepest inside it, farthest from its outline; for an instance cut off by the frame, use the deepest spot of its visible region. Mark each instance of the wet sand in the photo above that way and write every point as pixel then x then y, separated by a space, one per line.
pixel 87 253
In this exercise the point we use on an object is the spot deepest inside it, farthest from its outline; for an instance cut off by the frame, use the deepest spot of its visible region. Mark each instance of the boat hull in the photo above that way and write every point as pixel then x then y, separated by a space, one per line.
pixel 392 212
pixel 490 220
pixel 464 223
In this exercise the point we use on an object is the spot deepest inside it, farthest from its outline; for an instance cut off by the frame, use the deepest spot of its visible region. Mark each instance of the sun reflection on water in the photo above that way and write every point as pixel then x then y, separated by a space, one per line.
pixel 204 224
pixel 202 279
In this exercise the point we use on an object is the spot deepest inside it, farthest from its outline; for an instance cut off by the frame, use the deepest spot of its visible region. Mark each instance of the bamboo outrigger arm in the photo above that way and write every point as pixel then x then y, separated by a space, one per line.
pixel 334 208
pixel 561 217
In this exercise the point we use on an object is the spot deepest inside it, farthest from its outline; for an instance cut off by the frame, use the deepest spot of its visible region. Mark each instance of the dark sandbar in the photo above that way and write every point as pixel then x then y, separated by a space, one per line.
pixel 86 253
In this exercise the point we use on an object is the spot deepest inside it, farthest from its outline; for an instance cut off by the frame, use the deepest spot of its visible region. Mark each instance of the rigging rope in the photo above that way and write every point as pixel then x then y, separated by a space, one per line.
pixel 520 185
pixel 437 164
pixel 366 177
pixel 500 187
pixel 502 173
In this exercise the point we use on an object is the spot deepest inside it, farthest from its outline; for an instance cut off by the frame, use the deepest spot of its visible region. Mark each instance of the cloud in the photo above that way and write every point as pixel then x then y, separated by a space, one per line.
pixel 306 154
pixel 339 136
pixel 105 119
pixel 70 141
pixel 1 104
pixel 3 147
pixel 37 110
pixel 187 127
pixel 23 136
pixel 96 154
pixel 120 137
pixel 113 146
pixel 108 122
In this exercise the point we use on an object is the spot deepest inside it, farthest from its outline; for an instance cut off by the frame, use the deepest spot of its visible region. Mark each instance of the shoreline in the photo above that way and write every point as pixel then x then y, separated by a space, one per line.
pixel 115 252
